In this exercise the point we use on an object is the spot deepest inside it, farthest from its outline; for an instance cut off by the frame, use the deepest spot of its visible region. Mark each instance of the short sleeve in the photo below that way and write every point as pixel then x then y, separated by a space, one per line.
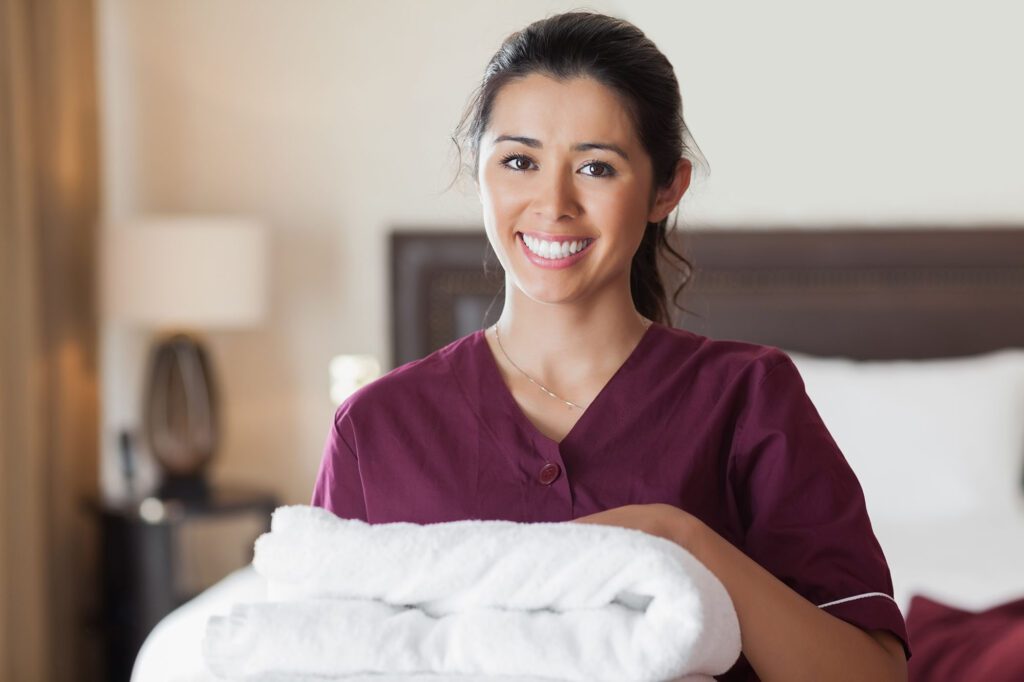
pixel 339 487
pixel 802 507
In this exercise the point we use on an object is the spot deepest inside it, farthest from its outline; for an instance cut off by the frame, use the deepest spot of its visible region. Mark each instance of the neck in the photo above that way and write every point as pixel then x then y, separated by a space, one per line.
pixel 572 345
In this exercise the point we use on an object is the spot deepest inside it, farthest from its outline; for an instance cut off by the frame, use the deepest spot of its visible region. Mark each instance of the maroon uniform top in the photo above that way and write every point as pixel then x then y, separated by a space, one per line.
pixel 722 429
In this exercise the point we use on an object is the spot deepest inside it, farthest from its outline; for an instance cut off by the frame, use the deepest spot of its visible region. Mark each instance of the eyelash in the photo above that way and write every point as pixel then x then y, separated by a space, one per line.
pixel 607 173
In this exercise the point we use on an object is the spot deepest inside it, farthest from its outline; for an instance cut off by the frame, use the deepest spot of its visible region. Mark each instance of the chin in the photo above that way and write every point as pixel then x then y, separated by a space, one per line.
pixel 547 292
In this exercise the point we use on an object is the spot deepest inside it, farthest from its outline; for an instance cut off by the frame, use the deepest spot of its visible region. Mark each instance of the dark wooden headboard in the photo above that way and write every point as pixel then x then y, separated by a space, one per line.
pixel 870 293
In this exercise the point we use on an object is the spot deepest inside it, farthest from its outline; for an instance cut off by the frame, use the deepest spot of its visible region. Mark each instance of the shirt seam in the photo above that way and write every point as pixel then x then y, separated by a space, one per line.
pixel 741 422
pixel 341 437
pixel 355 457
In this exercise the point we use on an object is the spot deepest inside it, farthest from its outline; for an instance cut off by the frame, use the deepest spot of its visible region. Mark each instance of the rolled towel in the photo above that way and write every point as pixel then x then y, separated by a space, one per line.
pixel 565 600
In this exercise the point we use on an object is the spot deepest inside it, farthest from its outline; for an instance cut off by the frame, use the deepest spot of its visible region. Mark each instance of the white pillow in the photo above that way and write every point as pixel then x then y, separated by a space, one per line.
pixel 928 439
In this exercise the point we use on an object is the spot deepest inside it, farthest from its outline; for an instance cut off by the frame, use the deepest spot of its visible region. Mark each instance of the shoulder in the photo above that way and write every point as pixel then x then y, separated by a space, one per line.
pixel 729 361
pixel 427 376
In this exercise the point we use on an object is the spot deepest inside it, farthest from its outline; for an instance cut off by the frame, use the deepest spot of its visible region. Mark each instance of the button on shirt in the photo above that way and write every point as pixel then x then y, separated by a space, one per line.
pixel 722 429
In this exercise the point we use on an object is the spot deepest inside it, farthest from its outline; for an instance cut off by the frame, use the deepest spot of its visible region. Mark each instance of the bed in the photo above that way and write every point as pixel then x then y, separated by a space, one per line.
pixel 910 343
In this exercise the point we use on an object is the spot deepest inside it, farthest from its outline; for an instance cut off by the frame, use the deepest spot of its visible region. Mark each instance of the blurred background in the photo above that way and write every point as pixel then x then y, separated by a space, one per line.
pixel 290 139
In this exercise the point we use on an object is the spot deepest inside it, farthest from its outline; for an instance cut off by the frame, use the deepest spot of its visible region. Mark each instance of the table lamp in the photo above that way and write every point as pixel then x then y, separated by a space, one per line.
pixel 176 275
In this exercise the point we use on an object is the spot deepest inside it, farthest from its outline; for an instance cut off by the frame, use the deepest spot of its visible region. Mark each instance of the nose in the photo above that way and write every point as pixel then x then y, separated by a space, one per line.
pixel 556 197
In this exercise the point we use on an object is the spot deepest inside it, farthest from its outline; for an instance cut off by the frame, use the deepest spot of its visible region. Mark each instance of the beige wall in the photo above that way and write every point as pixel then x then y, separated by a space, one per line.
pixel 331 121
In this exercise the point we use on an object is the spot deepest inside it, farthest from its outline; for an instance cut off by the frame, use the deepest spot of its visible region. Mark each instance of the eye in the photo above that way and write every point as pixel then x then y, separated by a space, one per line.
pixel 605 169
pixel 516 158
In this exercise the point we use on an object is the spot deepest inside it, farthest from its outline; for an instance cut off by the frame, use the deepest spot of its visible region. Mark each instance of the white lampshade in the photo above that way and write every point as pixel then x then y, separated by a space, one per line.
pixel 350 373
pixel 184 272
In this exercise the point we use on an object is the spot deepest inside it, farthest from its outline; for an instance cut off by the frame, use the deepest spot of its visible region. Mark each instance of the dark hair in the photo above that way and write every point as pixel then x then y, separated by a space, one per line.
pixel 618 55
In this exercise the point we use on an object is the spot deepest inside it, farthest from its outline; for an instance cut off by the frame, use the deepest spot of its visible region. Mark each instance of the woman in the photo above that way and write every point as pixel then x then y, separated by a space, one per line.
pixel 582 403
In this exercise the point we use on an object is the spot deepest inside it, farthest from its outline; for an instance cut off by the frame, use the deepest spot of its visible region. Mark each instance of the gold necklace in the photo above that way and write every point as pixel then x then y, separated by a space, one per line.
pixel 569 403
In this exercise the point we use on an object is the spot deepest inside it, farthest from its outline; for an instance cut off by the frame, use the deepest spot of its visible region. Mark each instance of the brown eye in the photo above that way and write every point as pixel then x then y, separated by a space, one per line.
pixel 606 170
pixel 516 159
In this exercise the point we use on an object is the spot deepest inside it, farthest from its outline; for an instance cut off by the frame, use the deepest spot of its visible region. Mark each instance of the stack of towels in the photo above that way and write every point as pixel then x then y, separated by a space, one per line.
pixel 570 601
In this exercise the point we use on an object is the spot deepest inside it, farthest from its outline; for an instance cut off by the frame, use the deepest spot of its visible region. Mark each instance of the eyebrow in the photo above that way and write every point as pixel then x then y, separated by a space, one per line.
pixel 580 147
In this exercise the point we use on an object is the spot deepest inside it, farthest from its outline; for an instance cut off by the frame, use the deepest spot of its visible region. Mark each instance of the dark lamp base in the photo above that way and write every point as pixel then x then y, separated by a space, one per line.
pixel 190 488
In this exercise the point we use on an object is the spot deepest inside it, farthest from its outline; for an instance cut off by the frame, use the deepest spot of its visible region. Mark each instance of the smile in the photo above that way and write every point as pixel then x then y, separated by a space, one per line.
pixel 554 253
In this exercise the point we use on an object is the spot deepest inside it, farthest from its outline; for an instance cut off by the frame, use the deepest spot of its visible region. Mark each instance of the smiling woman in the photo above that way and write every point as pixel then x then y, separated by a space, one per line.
pixel 569 190
pixel 576 205
pixel 583 402
pixel 620 123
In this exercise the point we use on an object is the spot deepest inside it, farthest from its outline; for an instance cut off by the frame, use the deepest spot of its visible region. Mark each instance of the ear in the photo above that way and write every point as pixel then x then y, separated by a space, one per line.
pixel 668 197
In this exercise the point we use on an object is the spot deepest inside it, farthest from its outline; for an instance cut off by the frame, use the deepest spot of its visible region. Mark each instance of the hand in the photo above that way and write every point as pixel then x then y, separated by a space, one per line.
pixel 662 520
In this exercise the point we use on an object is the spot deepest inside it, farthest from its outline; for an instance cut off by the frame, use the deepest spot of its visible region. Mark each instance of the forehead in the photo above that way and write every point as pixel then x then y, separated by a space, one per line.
pixel 560 111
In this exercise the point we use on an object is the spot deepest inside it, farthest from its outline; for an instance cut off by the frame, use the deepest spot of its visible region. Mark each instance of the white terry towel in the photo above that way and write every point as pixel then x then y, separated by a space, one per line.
pixel 572 601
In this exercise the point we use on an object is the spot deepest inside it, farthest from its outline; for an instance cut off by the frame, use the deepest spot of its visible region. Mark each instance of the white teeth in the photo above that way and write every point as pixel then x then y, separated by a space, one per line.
pixel 554 250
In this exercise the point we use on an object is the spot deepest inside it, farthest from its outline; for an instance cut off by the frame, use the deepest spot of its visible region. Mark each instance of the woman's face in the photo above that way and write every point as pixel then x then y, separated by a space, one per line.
pixel 575 170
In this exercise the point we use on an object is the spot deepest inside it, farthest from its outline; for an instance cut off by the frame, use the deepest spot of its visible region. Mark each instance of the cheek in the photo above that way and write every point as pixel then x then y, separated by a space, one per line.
pixel 622 221
pixel 503 204
pixel 619 203
pixel 619 211
pixel 503 194
pixel 496 217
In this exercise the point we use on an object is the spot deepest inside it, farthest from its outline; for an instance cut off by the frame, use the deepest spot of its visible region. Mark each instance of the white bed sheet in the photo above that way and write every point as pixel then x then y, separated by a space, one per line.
pixel 173 650
pixel 972 563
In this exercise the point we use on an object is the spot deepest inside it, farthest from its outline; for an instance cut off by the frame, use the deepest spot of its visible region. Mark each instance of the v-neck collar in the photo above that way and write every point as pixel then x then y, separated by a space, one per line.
pixel 503 395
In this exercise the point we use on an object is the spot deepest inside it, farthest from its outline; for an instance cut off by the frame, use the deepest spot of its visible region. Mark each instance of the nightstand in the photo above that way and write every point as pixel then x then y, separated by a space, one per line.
pixel 141 568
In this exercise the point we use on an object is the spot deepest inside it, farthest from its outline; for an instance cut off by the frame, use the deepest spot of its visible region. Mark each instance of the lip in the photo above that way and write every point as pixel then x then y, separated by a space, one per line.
pixel 553 263
pixel 557 237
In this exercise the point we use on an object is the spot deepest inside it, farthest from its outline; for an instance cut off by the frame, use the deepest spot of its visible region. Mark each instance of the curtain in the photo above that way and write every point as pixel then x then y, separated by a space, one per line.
pixel 49 189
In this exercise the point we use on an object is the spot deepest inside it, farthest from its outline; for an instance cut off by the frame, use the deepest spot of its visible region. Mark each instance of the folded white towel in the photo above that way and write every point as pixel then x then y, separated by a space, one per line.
pixel 557 600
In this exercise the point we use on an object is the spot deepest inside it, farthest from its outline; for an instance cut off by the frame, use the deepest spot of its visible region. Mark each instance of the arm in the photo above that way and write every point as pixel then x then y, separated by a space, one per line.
pixel 785 637
pixel 805 531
